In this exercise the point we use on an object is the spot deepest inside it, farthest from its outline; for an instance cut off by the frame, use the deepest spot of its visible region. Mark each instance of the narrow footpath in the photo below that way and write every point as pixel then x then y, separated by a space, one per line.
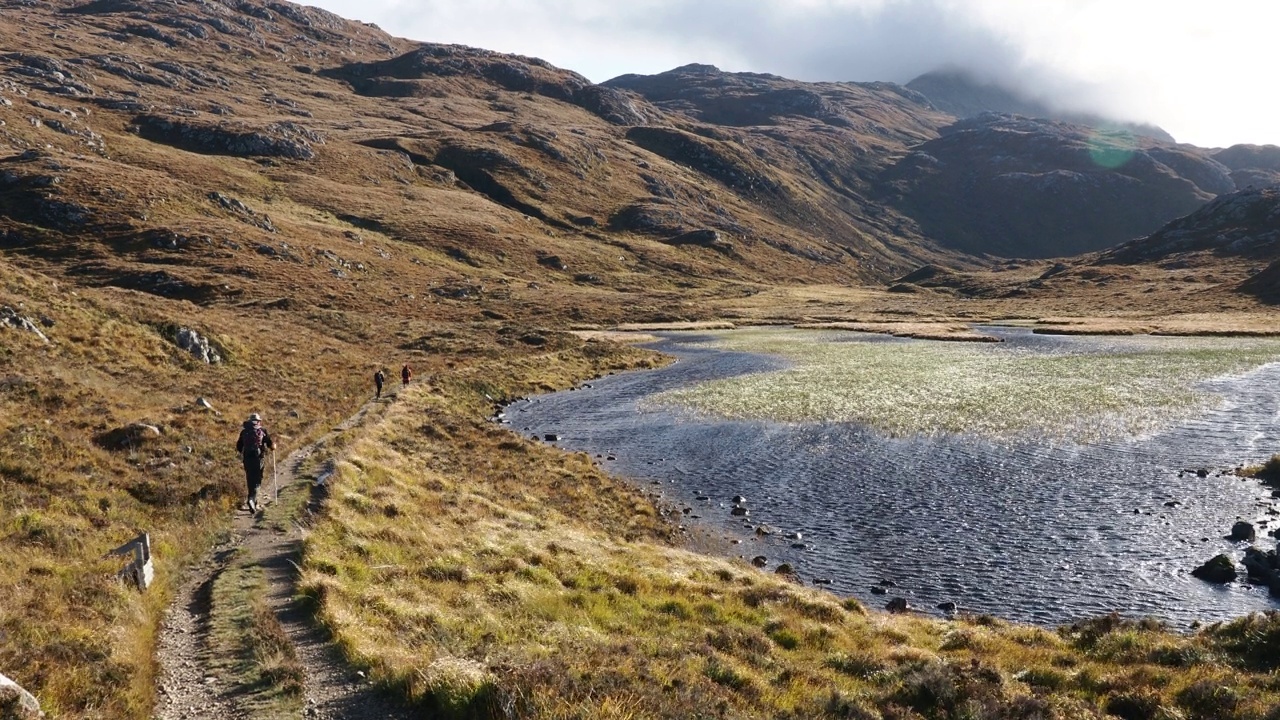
pixel 190 684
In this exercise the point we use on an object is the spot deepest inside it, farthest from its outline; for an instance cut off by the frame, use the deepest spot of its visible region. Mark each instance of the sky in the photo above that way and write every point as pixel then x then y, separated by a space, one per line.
pixel 1204 71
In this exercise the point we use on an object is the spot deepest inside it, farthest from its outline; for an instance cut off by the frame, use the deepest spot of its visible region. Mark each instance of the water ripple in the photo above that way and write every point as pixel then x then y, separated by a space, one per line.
pixel 1044 532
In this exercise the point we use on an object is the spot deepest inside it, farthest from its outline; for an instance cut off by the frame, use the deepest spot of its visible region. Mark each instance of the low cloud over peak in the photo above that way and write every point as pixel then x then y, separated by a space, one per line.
pixel 1116 58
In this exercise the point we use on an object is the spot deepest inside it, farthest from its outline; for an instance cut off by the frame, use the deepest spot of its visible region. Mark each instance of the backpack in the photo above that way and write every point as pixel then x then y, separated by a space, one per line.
pixel 251 439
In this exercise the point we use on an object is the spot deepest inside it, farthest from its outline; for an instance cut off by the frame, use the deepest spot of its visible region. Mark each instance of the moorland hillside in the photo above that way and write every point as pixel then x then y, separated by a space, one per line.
pixel 214 207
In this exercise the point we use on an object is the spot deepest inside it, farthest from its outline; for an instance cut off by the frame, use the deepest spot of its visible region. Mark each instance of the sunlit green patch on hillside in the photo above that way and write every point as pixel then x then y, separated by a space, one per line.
pixel 915 387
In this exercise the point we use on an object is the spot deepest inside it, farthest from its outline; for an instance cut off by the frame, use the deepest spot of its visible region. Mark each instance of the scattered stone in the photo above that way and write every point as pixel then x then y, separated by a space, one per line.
pixel 799 546
pixel 795 536
pixel 759 561
pixel 887 583
pixel 201 402
pixel 822 581
pixel 897 606
pixel 1172 503
pixel 738 499
pixel 739 511
pixel 1242 532
pixel 551 437
pixel 17 703
pixel 1220 570
pixel 947 607
pixel 879 591
pixel 785 569
pixel 1202 473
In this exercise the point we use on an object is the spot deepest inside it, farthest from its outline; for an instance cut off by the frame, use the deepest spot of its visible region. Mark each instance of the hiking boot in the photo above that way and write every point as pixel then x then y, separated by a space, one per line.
pixel 253 505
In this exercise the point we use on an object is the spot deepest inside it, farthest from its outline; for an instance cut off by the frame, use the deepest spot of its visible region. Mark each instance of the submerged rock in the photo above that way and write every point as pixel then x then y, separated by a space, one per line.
pixel 1220 570
pixel 898 605
pixel 1242 532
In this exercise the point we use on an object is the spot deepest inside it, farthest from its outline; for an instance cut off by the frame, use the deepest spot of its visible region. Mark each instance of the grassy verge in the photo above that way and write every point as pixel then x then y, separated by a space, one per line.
pixel 255 659
pixel 926 388
pixel 479 574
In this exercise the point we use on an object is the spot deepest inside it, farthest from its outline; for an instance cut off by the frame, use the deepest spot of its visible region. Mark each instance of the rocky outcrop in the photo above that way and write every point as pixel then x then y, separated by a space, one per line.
pixel 128 436
pixel 284 139
pixel 1265 284
pixel 704 92
pixel 702 238
pixel 432 69
pixel 198 346
pixel 9 318
pixel 1220 570
pixel 16 703
pixel 244 212
pixel 1238 224
pixel 723 161
pixel 1014 186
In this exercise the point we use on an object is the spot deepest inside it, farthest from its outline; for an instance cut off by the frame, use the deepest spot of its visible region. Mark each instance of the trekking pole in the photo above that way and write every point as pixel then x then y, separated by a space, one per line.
pixel 275 485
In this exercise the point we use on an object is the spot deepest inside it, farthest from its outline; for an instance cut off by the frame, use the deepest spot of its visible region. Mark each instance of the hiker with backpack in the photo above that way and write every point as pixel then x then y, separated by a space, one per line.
pixel 253 445
pixel 405 374
pixel 378 379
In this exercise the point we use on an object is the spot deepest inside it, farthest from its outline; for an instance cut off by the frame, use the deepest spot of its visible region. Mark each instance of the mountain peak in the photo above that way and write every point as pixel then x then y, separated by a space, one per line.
pixel 963 94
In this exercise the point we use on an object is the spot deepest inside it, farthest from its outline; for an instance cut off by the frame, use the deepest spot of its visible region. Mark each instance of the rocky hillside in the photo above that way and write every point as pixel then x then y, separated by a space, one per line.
pixel 1240 227
pixel 234 121
pixel 1023 187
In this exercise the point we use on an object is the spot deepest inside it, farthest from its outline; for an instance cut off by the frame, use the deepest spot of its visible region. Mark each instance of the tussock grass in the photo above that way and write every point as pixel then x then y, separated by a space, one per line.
pixel 928 388
pixel 258 663
pixel 517 580
pixel 1268 472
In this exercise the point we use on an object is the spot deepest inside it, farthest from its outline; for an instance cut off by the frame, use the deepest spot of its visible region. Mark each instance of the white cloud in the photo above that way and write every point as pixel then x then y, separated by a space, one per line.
pixel 1200 70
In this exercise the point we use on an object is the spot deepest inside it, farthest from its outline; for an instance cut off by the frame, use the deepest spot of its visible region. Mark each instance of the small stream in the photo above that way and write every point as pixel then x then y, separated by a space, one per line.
pixel 1028 530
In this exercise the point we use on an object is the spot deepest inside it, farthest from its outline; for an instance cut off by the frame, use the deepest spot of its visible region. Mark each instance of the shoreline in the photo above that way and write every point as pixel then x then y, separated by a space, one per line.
pixel 724 534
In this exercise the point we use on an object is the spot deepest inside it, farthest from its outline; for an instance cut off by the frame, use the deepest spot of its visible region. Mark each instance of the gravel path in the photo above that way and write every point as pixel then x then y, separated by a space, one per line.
pixel 190 688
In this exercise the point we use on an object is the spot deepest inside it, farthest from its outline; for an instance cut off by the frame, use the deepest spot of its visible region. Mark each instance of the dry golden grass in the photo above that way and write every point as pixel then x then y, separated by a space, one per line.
pixel 377 261
pixel 476 573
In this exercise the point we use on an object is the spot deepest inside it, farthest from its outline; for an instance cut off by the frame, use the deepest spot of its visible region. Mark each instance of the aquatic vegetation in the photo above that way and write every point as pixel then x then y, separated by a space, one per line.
pixel 1082 390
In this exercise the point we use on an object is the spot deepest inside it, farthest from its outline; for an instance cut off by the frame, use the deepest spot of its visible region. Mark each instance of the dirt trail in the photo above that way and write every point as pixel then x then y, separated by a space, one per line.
pixel 191 686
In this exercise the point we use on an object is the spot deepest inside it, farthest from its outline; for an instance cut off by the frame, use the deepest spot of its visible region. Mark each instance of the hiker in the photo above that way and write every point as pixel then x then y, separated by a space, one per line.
pixel 253 445
pixel 378 379
pixel 405 374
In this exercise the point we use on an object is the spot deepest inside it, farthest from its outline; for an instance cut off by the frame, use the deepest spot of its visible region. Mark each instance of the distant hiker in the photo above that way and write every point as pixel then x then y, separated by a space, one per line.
pixel 253 445
pixel 405 374
pixel 378 379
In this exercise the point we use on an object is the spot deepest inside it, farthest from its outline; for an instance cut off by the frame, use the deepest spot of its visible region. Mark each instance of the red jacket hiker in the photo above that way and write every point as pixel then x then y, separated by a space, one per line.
pixel 405 374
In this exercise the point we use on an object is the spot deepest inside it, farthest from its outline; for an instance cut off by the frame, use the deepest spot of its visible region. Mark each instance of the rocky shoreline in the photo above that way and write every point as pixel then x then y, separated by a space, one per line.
pixel 1261 566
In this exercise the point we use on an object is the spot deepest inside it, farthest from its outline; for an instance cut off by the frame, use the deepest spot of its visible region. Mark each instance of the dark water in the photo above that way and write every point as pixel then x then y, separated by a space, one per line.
pixel 1027 530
